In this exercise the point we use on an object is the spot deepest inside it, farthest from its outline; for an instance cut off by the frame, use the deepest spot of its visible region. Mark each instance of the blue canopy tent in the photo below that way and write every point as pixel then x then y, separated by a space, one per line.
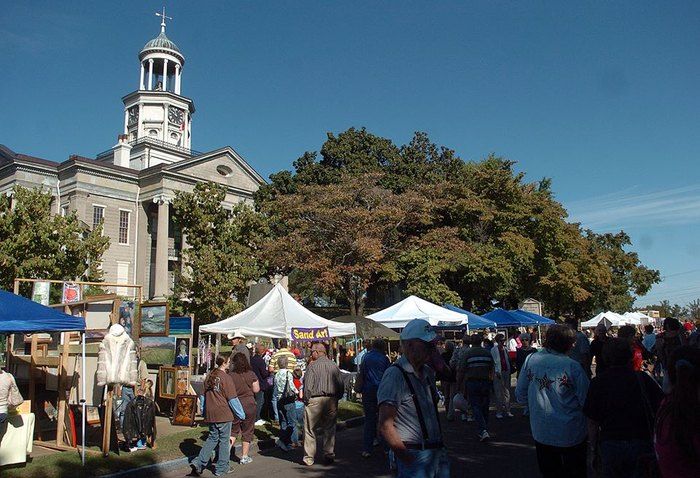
pixel 474 321
pixel 21 315
pixel 536 317
pixel 508 318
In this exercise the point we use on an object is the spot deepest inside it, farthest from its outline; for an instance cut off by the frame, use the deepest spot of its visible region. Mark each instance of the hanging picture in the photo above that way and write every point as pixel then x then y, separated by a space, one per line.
pixel 182 383
pixel 181 326
pixel 166 382
pixel 71 293
pixel 158 350
pixel 127 311
pixel 154 318
pixel 182 351
pixel 40 292
pixel 185 407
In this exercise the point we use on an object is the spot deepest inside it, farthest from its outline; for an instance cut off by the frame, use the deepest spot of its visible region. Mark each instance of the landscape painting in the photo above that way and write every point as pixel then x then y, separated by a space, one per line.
pixel 181 326
pixel 154 318
pixel 158 350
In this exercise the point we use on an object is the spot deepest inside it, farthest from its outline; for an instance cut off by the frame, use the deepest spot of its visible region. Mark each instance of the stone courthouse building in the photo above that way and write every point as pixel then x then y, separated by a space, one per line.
pixel 130 186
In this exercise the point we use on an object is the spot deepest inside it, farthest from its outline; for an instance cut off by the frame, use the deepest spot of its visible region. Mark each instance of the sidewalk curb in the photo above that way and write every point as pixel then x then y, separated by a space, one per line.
pixel 260 445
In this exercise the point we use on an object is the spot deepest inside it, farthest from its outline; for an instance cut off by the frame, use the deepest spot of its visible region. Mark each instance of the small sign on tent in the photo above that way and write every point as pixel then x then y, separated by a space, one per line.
pixel 310 334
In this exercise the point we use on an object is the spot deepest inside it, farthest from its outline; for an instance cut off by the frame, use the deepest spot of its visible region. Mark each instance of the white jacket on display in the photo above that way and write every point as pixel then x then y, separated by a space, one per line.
pixel 116 362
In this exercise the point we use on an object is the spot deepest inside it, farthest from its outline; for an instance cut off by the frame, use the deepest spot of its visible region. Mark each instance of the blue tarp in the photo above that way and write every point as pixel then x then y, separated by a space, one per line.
pixel 507 318
pixel 536 317
pixel 474 321
pixel 18 315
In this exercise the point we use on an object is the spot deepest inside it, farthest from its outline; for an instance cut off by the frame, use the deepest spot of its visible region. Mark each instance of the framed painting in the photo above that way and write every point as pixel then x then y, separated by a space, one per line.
pixel 182 349
pixel 127 316
pixel 180 326
pixel 166 382
pixel 185 407
pixel 153 319
pixel 157 350
pixel 182 381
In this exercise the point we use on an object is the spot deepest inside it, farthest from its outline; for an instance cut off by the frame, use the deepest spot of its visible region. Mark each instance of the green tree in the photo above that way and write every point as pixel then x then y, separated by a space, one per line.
pixel 343 235
pixel 481 231
pixel 222 256
pixel 36 244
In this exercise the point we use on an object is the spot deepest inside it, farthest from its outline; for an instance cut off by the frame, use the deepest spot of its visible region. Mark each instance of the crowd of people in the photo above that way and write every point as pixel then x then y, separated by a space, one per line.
pixel 623 403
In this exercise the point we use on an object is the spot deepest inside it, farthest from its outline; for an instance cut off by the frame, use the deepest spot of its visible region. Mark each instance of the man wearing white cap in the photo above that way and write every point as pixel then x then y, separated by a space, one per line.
pixel 238 344
pixel 407 397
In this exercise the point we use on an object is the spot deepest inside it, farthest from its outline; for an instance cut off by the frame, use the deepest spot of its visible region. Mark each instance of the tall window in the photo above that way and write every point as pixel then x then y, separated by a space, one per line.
pixel 98 213
pixel 124 227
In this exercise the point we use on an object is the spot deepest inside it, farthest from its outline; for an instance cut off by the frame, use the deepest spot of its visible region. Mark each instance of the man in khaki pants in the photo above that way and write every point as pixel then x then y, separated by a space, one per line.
pixel 323 387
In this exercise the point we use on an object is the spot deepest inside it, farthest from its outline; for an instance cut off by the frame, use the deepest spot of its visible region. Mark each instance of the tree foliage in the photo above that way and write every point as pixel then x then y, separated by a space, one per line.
pixel 222 256
pixel 36 244
pixel 465 232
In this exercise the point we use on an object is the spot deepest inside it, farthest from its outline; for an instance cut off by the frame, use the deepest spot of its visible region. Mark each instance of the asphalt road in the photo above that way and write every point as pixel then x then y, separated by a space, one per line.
pixel 510 453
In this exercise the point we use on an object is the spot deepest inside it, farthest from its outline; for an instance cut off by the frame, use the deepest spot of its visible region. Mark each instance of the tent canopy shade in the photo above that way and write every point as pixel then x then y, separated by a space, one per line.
pixel 274 316
pixel 610 319
pixel 21 315
pixel 368 328
pixel 412 307
pixel 506 318
pixel 475 321
pixel 541 320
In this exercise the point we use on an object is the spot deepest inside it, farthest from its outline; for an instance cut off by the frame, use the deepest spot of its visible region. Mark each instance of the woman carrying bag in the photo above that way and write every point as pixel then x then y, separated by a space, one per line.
pixel 247 386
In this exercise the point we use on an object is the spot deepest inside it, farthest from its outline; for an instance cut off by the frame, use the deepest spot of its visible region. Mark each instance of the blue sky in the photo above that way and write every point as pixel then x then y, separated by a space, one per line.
pixel 601 97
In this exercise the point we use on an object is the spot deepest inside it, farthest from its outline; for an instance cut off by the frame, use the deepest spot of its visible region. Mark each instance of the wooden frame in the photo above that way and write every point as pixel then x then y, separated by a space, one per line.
pixel 184 411
pixel 167 388
pixel 153 350
pixel 143 310
pixel 182 381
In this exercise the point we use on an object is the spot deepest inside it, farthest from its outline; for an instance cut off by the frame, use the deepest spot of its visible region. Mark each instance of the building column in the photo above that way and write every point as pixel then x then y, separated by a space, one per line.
pixel 143 73
pixel 165 74
pixel 150 74
pixel 177 79
pixel 161 279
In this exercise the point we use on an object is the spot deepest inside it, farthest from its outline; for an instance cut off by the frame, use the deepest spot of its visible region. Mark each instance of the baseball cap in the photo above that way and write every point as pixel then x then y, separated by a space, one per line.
pixel 419 329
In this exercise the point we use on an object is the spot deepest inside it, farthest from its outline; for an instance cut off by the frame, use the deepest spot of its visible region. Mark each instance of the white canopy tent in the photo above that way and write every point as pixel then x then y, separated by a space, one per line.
pixel 637 318
pixel 610 319
pixel 274 316
pixel 398 315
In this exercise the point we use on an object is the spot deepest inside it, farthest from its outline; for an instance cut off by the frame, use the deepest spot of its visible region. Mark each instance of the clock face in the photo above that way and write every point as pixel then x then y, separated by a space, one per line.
pixel 175 115
pixel 133 115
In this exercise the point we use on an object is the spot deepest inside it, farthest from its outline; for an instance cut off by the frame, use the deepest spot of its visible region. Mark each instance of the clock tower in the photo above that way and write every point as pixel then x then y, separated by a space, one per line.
pixel 157 118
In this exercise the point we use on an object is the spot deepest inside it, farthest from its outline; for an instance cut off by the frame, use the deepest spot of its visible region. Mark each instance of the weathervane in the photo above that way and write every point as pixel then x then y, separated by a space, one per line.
pixel 163 16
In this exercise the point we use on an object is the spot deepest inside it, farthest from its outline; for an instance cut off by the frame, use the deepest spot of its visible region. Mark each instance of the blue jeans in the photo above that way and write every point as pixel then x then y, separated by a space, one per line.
pixel 127 396
pixel 478 392
pixel 275 411
pixel 219 434
pixel 371 409
pixel 298 420
pixel 426 464
pixel 619 457
pixel 287 414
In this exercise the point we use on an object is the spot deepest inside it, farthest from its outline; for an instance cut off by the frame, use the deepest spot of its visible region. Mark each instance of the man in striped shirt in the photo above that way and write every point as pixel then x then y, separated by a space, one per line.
pixel 475 371
pixel 283 351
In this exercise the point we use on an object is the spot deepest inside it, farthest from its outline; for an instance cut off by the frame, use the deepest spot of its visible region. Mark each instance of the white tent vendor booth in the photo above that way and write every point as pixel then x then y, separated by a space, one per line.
pixel 412 307
pixel 609 319
pixel 275 315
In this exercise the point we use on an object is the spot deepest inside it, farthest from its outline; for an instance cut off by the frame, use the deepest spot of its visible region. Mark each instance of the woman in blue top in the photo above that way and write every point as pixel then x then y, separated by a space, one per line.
pixel 555 387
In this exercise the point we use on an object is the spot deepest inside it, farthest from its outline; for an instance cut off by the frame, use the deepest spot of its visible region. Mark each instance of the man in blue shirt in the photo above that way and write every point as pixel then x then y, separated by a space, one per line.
pixel 372 367
pixel 555 387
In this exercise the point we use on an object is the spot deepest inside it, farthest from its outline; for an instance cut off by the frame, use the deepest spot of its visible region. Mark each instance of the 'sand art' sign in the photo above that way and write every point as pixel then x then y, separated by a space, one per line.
pixel 309 335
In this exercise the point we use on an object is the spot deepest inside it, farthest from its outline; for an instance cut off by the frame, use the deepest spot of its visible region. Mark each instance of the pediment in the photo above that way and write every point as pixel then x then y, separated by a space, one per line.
pixel 223 166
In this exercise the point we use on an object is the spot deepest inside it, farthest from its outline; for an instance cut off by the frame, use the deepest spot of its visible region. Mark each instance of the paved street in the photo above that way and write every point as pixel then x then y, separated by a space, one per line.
pixel 510 453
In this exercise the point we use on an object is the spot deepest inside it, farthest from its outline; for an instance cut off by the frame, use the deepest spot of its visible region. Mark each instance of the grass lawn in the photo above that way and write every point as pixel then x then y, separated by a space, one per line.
pixel 177 445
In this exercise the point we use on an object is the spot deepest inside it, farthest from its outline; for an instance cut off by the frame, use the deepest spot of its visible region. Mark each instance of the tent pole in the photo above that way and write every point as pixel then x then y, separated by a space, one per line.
pixel 539 334
pixel 209 350
pixel 82 377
